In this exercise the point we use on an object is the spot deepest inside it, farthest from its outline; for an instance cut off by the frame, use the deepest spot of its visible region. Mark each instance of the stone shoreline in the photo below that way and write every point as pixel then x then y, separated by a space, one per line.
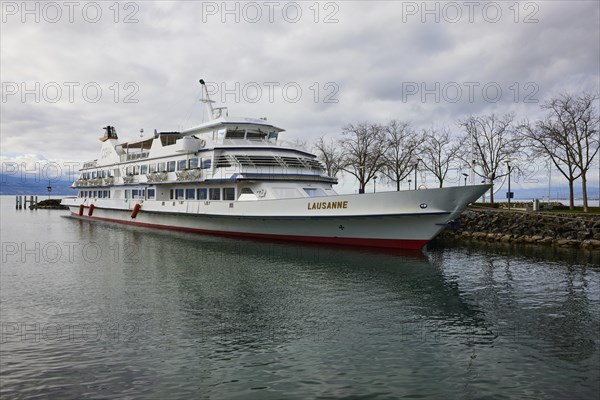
pixel 53 204
pixel 543 228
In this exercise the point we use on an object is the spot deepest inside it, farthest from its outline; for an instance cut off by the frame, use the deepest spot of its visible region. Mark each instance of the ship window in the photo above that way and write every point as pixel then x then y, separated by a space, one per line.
pixel 107 194
pixel 256 135
pixel 161 167
pixel 171 166
pixel 171 194
pixel 143 169
pixel 272 137
pixel 228 193
pixel 206 164
pixel 99 194
pixel 181 165
pixel 93 174
pixel 190 194
pixel 136 170
pixel 202 194
pixel 312 192
pixel 246 190
pixel 151 193
pixel 235 134
pixel 194 162
pixel 215 193
pixel 152 168
pixel 179 194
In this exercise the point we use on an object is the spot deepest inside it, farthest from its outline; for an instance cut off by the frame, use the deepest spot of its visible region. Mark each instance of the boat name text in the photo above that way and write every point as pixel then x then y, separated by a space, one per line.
pixel 327 205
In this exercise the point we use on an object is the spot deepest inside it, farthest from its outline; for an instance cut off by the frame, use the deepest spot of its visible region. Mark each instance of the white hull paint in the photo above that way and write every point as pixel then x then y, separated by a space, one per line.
pixel 405 219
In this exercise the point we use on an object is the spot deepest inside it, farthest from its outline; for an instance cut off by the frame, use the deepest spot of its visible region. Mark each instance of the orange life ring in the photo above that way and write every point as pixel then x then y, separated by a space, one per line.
pixel 91 210
pixel 81 207
pixel 136 208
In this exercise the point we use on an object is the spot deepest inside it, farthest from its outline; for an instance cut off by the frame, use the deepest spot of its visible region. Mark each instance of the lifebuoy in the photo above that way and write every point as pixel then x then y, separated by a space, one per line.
pixel 136 208
pixel 91 210
pixel 81 207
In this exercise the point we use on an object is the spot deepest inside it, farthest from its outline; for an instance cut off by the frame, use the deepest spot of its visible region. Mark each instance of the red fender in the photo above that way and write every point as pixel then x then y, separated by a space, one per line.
pixel 136 208
pixel 81 207
pixel 91 210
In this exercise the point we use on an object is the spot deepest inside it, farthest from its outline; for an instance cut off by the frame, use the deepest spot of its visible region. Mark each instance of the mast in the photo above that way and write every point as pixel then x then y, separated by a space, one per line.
pixel 213 112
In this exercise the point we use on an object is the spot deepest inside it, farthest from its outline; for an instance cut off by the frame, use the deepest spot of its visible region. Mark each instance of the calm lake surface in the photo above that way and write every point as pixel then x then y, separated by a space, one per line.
pixel 101 311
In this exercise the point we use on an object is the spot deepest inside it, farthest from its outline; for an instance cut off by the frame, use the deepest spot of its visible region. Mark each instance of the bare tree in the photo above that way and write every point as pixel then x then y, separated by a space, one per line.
pixel 401 142
pixel 362 145
pixel 569 136
pixel 329 152
pixel 494 143
pixel 438 150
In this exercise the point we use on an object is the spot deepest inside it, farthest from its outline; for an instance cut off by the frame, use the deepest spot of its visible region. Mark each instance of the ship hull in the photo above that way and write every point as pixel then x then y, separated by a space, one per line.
pixel 405 220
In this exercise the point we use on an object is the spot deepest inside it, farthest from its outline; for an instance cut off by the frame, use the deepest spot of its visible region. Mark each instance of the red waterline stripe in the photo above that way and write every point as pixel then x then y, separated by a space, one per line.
pixel 383 243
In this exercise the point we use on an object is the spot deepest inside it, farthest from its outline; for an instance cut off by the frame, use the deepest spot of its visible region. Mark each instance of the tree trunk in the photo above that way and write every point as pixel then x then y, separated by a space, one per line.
pixel 492 193
pixel 571 200
pixel 398 185
pixel 584 191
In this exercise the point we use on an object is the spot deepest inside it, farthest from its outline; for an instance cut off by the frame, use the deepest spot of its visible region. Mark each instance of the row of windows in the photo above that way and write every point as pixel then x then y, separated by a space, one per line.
pixel 97 174
pixel 169 166
pixel 203 194
pixel 140 194
pixel 100 194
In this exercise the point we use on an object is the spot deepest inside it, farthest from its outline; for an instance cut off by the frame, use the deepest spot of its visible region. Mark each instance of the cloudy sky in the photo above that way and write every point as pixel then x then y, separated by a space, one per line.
pixel 68 69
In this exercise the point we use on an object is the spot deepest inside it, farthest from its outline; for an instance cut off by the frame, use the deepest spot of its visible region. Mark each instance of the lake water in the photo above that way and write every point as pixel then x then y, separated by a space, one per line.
pixel 93 310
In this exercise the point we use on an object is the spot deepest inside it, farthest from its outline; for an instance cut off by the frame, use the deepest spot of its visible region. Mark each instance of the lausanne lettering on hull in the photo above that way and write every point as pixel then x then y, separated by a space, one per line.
pixel 327 205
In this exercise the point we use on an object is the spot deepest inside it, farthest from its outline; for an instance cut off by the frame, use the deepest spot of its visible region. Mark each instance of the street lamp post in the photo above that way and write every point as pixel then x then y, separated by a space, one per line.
pixel 416 169
pixel 509 192
pixel 466 176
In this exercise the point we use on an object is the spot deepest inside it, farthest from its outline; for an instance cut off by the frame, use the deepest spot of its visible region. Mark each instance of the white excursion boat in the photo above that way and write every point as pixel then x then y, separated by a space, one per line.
pixel 229 176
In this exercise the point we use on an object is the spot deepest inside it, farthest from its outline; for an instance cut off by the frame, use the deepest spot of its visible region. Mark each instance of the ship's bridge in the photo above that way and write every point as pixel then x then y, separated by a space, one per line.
pixel 237 131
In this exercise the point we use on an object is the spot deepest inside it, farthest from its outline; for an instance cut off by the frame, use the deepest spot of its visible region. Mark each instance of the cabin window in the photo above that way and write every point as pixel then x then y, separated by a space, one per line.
pixel 94 175
pixel 202 194
pixel 235 134
pixel 161 167
pixel 179 194
pixel 107 194
pixel 171 194
pixel 228 193
pixel 136 170
pixel 171 166
pixel 312 192
pixel 206 164
pixel 246 190
pixel 256 135
pixel 143 169
pixel 181 165
pixel 272 137
pixel 152 168
pixel 190 194
pixel 193 162
pixel 99 194
pixel 214 193
pixel 151 193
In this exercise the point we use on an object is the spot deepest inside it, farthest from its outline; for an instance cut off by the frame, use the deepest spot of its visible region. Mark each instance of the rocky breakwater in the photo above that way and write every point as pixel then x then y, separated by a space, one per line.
pixel 544 228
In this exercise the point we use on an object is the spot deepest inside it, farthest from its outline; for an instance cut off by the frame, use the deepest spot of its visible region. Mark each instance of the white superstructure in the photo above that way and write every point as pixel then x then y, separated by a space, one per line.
pixel 232 176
